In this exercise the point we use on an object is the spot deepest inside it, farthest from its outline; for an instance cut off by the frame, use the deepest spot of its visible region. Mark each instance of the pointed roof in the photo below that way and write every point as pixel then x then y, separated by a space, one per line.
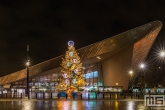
pixel 141 38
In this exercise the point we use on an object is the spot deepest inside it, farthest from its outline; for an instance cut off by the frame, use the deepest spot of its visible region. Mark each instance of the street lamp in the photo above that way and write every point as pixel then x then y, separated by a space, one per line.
pixel 28 63
pixel 162 54
pixel 131 74
pixel 27 71
pixel 142 67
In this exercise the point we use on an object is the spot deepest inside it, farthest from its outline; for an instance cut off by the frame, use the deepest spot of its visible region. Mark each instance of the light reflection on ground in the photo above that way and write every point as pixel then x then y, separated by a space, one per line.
pixel 73 105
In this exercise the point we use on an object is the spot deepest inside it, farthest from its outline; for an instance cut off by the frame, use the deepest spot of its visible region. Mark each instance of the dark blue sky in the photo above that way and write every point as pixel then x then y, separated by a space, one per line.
pixel 47 25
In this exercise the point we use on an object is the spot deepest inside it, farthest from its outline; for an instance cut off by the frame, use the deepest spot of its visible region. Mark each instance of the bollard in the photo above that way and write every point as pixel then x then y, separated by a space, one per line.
pixel 117 95
pixel 43 95
pixel 81 96
pixel 66 96
pixel 131 95
pixel 36 95
pixel 58 96
pixel 51 95
pixel 138 96
pixel 21 95
pixel 110 95
pixel 103 95
pixel 88 95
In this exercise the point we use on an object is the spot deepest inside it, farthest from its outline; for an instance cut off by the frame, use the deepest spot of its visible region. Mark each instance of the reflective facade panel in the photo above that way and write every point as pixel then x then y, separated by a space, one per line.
pixel 137 42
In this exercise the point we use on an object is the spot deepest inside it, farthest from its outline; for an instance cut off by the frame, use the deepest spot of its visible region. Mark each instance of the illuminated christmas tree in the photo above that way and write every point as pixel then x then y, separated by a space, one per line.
pixel 72 72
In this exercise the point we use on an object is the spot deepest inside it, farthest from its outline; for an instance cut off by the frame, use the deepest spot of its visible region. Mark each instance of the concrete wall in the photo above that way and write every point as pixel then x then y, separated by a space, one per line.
pixel 116 67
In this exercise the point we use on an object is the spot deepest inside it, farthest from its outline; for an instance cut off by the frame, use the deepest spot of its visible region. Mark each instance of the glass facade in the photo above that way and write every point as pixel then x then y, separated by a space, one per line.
pixel 48 82
pixel 93 76
pixel 44 83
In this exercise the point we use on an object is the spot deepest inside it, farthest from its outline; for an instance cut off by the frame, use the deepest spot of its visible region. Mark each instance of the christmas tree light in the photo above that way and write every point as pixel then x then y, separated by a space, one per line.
pixel 72 72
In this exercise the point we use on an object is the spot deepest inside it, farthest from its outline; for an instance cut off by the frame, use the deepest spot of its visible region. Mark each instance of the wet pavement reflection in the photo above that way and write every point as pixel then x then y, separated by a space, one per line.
pixel 73 105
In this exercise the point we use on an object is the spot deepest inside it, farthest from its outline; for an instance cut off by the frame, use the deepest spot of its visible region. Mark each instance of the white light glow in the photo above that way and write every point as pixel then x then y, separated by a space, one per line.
pixel 162 54
pixel 130 72
pixel 98 57
pixel 28 63
pixel 142 65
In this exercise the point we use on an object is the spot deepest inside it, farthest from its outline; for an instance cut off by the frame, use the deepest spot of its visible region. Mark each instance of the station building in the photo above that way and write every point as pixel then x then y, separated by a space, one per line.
pixel 105 63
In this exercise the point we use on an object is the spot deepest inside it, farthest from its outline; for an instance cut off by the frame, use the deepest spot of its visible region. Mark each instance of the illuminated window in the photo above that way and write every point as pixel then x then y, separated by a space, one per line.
pixel 91 75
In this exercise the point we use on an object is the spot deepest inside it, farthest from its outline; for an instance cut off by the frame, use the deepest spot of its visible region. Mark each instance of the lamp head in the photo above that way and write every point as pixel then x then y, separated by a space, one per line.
pixel 142 65
pixel 28 63
pixel 162 54
pixel 130 72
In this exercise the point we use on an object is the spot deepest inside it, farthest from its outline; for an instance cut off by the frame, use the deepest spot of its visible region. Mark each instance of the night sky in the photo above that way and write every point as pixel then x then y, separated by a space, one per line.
pixel 47 25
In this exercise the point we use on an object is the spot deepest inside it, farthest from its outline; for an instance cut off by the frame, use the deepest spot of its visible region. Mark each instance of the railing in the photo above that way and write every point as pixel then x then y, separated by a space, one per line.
pixel 83 95
pixel 33 95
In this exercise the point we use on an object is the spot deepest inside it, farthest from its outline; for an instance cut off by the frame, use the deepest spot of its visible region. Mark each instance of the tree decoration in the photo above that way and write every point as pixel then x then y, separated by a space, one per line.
pixel 68 64
pixel 74 60
pixel 67 81
pixel 76 71
pixel 70 54
pixel 65 75
pixel 70 43
pixel 74 81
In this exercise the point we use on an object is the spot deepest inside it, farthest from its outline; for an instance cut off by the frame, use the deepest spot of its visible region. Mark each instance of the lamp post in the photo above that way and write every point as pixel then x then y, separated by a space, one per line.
pixel 142 67
pixel 27 71
pixel 131 74
pixel 162 56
